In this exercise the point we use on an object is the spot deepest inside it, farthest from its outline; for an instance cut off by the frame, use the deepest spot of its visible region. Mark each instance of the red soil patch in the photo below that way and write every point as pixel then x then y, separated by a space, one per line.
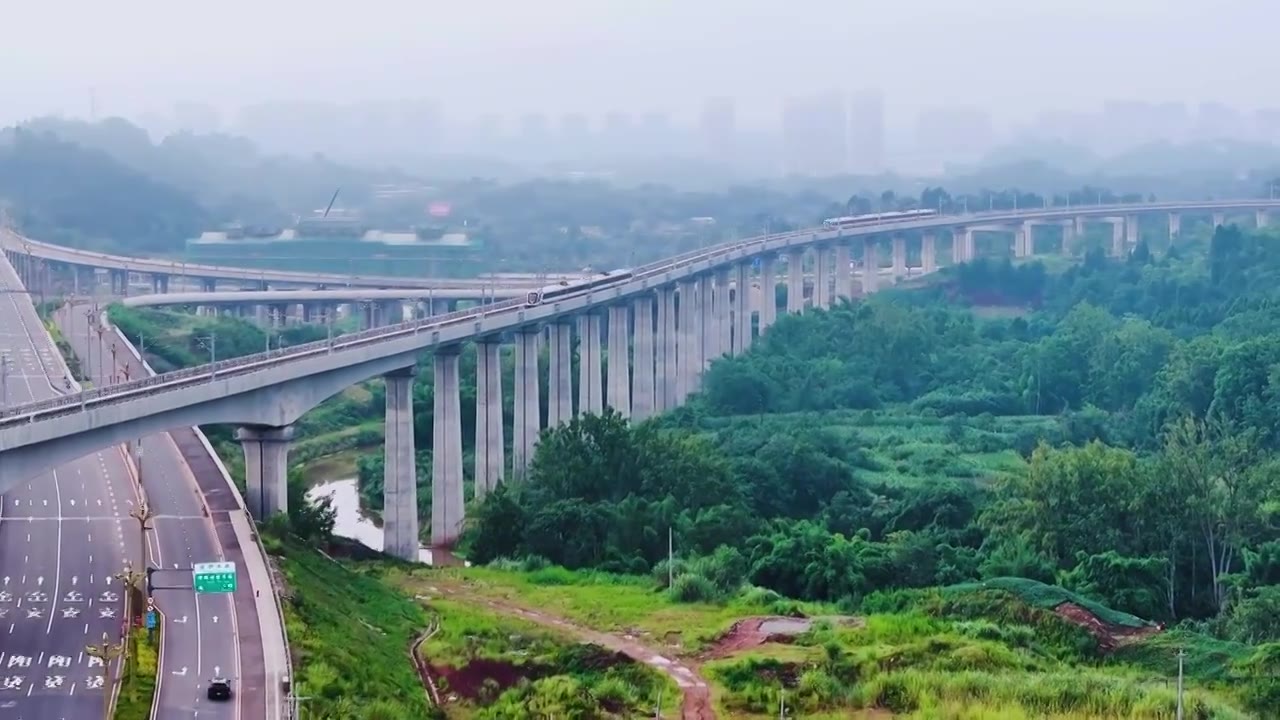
pixel 1109 636
pixel 468 680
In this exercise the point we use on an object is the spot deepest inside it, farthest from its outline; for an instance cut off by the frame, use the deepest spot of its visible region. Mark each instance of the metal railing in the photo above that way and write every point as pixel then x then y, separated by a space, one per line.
pixel 77 402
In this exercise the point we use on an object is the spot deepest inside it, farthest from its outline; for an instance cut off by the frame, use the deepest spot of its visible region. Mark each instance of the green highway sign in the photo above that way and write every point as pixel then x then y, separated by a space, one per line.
pixel 219 577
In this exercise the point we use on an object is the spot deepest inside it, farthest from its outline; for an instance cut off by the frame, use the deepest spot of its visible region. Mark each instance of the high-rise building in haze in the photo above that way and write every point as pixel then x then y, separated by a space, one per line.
pixel 718 127
pixel 866 132
pixel 813 135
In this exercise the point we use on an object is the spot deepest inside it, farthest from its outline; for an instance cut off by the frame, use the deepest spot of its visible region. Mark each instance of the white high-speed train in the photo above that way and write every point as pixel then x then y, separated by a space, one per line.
pixel 873 218
pixel 569 287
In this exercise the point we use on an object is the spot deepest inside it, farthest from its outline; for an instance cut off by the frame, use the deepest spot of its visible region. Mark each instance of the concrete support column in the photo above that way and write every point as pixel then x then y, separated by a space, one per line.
pixel 1079 221
pixel 590 387
pixel 559 373
pixel 390 312
pixel 211 285
pixel 1117 237
pixel 1175 226
pixel 490 439
pixel 1068 237
pixel 689 361
pixel 768 292
pixel 266 467
pixel 619 359
pixel 159 284
pixel 1260 218
pixel 928 253
pixel 742 310
pixel 667 349
pixel 400 471
pixel 822 277
pixel 308 313
pixel 724 313
pixel 1028 240
pixel 120 283
pixel 899 256
pixel 1131 234
pixel 527 423
pixel 870 265
pixel 710 323
pixel 795 281
pixel 957 245
pixel 1219 219
pixel 446 452
pixel 642 388
pixel 844 272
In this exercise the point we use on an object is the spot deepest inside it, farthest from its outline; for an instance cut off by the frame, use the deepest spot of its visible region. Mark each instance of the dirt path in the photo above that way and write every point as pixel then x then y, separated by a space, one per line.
pixel 696 702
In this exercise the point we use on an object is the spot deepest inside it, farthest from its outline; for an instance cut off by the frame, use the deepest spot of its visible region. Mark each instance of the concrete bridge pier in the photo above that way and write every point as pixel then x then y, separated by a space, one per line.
pixel 710 323
pixel 742 308
pixel 1260 218
pixel 768 293
pixel 120 283
pixel 928 253
pixel 822 277
pixel 666 346
pixel 1022 241
pixel 1219 220
pixel 1117 237
pixel 559 373
pixel 642 386
pixel 1175 226
pixel 619 360
pixel 266 468
pixel 795 281
pixel 899 249
pixel 1131 231
pixel 844 272
pixel 1068 237
pixel 724 313
pixel 400 472
pixel 446 452
pixel 590 390
pixel 490 442
pixel 958 235
pixel 870 265
pixel 211 285
pixel 687 364
pixel 159 284
pixel 527 423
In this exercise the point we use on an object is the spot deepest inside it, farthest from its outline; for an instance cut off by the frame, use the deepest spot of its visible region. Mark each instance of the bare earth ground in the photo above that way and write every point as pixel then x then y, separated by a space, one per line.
pixel 696 702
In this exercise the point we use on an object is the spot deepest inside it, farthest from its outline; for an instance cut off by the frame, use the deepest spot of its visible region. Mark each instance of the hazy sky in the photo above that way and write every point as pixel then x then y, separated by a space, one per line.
pixel 1012 56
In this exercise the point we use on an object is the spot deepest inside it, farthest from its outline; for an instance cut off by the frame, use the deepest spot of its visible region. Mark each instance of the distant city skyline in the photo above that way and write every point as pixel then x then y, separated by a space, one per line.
pixel 817 134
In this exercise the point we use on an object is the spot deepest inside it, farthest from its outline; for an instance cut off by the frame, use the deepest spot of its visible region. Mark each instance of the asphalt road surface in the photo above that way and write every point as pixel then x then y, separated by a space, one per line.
pixel 201 631
pixel 63 537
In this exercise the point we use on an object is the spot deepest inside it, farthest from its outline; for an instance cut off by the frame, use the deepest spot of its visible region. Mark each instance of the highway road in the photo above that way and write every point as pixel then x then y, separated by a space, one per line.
pixel 200 630
pixel 62 538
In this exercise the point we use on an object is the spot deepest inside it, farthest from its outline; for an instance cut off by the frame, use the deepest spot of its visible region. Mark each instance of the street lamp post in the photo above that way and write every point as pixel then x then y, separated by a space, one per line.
pixel 210 342
pixel 107 653
pixel 142 513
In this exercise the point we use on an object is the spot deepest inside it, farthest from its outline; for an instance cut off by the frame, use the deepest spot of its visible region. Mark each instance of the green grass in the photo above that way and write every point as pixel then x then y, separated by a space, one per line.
pixel 903 446
pixel 912 665
pixel 468 633
pixel 603 601
pixel 350 636
pixel 137 691
pixel 1047 597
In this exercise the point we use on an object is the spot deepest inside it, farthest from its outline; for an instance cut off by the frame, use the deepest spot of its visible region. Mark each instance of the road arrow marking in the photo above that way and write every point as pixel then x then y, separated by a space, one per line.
pixel 181 672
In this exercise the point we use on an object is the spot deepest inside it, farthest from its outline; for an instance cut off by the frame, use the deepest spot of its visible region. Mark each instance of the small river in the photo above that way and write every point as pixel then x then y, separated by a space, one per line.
pixel 350 522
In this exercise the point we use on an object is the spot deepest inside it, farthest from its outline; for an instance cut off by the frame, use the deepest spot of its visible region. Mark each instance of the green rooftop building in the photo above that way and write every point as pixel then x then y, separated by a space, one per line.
pixel 342 245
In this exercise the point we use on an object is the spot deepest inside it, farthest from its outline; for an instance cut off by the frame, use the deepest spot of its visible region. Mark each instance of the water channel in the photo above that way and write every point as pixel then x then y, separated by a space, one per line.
pixel 350 522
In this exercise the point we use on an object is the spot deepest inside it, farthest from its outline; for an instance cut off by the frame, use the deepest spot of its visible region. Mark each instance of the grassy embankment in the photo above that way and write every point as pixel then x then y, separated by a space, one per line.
pixel 994 650
pixel 351 631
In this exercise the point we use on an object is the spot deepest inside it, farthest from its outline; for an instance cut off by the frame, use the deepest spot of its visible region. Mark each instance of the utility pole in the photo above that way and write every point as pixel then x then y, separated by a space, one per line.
pixel 142 513
pixel 1181 655
pixel 4 379
pixel 107 653
pixel 210 342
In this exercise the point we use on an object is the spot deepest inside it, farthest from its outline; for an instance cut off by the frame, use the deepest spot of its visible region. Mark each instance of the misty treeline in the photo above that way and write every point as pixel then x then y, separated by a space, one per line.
pixel 109 185
pixel 1150 475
